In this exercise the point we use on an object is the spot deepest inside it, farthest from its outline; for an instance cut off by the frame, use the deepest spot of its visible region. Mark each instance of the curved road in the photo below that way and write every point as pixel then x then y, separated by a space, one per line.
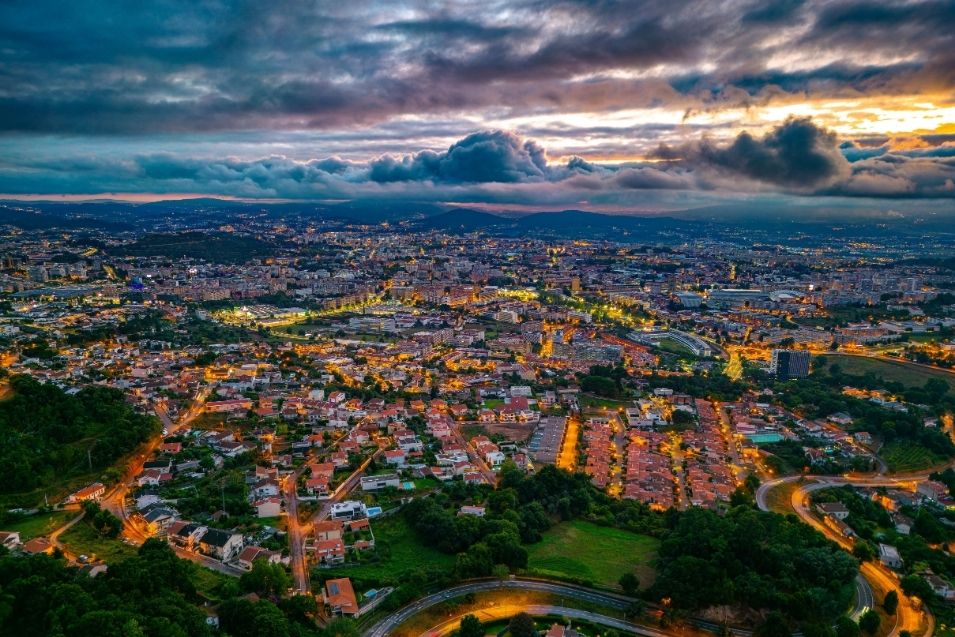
pixel 385 626
pixel 503 612
pixel 908 617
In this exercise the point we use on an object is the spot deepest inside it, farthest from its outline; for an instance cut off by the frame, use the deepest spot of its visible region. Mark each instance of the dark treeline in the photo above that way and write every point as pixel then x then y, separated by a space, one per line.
pixel 46 433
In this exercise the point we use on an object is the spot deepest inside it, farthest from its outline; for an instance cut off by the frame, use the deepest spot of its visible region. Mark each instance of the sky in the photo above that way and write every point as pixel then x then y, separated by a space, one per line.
pixel 527 104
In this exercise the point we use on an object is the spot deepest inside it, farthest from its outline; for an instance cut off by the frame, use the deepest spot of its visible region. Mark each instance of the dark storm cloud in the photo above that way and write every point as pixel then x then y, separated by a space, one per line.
pixel 492 156
pixel 797 154
pixel 796 158
pixel 773 12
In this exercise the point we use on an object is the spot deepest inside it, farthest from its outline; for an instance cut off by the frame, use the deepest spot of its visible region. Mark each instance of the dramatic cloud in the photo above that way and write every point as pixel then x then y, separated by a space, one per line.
pixel 797 154
pixel 489 156
pixel 796 158
pixel 239 97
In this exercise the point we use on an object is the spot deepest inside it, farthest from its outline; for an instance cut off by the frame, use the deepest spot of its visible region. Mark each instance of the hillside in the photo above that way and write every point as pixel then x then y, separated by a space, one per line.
pixel 216 247
pixel 50 437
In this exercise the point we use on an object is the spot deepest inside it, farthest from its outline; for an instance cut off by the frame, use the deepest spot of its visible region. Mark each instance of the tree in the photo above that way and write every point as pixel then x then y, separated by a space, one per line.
pixel 471 626
pixel 917 586
pixel 818 629
pixel 629 583
pixel 265 578
pixel 864 551
pixel 773 626
pixel 891 602
pixel 845 627
pixel 522 625
pixel 869 622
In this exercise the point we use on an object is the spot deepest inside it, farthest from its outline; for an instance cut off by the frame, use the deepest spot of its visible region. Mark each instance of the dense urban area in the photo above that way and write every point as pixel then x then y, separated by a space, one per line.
pixel 260 424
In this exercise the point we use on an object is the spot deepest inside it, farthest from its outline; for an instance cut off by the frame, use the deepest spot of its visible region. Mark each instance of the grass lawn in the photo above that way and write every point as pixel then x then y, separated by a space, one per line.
pixel 82 539
pixel 600 554
pixel 40 524
pixel 277 522
pixel 904 456
pixel 593 402
pixel 406 554
pixel 207 581
pixel 779 498
pixel 905 373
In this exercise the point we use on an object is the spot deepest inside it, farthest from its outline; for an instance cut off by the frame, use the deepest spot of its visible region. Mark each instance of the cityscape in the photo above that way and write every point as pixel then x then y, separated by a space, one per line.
pixel 530 319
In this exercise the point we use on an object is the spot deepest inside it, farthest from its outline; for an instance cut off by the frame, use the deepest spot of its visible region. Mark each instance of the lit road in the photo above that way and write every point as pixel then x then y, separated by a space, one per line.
pixel 567 591
pixel 297 531
pixel 909 617
pixel 485 470
pixel 388 624
pixel 115 500
pixel 505 611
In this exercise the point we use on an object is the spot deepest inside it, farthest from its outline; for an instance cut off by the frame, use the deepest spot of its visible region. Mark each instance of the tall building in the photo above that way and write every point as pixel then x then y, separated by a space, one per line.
pixel 789 363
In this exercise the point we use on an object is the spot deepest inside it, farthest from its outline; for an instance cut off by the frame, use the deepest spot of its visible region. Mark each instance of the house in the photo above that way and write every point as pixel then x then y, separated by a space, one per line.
pixel 377 483
pixel 494 458
pixel 395 457
pixel 940 587
pixel 9 539
pixel 252 553
pixel 150 477
pixel 266 488
pixel 903 524
pixel 932 490
pixel 159 518
pixel 328 530
pixel 38 545
pixel 889 556
pixel 185 534
pixel 93 492
pixel 318 486
pixel 470 509
pixel 339 459
pixel 561 631
pixel 224 545
pixel 330 551
pixel 836 509
pixel 326 469
pixel 340 598
pixel 268 507
pixel 348 510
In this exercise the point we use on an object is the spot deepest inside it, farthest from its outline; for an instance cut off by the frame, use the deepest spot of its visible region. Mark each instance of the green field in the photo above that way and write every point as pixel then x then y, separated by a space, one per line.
pixel 779 498
pixel 405 551
pixel 82 539
pixel 208 581
pixel 902 456
pixel 599 554
pixel 905 373
pixel 40 524
pixel 587 401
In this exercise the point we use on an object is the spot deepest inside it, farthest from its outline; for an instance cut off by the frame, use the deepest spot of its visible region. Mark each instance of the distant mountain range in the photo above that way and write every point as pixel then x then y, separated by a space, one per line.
pixel 724 221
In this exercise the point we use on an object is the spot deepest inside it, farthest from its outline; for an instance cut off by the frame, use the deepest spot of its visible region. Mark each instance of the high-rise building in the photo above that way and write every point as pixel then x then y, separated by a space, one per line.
pixel 789 363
